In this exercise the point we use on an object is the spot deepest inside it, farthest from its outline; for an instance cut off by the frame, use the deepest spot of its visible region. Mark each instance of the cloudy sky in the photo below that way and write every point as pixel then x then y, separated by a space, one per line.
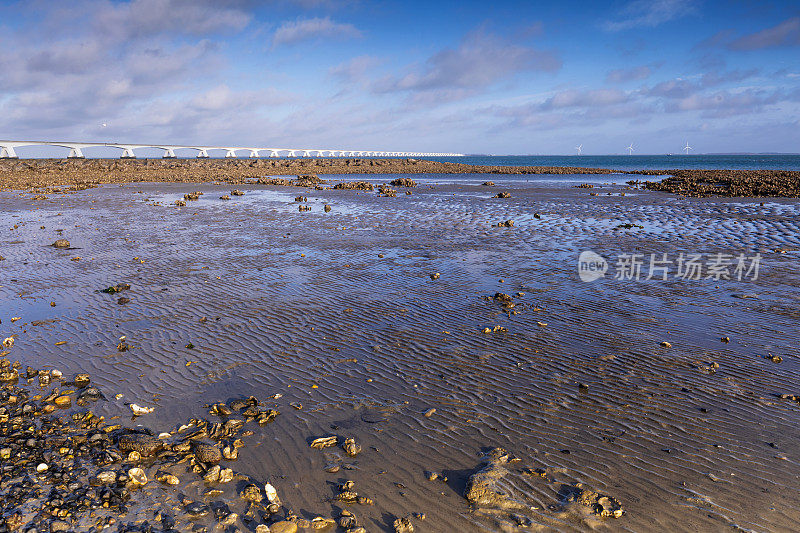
pixel 464 76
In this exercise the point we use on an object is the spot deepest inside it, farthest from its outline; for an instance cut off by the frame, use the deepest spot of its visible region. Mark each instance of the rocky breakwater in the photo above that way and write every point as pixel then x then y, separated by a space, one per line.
pixel 70 173
pixel 734 183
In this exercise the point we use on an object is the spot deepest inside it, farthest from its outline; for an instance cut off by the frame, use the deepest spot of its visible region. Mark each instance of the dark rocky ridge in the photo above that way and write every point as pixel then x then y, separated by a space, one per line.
pixel 82 173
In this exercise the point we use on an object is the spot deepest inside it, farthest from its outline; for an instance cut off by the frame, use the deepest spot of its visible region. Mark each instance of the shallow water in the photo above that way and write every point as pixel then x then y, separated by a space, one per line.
pixel 298 299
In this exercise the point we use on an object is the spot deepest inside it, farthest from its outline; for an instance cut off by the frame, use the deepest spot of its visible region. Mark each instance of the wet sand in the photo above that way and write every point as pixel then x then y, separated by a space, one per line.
pixel 338 313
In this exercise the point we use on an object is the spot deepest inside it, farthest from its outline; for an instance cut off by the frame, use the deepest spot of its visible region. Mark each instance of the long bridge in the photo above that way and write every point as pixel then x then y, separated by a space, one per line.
pixel 8 150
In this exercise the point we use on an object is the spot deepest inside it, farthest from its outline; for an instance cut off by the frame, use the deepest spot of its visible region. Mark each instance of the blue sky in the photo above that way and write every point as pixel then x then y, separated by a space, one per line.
pixel 470 77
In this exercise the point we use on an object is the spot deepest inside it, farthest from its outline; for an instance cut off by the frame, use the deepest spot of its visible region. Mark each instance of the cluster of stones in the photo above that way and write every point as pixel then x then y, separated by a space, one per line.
pixel 63 468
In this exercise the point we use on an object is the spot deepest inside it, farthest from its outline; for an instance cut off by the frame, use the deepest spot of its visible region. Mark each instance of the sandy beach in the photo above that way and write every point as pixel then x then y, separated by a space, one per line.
pixel 412 324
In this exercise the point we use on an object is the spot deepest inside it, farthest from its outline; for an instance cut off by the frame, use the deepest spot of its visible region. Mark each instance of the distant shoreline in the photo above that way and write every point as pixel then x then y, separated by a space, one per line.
pixel 32 174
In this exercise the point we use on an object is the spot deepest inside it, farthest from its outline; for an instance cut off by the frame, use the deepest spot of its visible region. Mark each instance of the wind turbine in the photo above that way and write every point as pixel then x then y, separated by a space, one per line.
pixel 630 149
pixel 579 148
pixel 687 148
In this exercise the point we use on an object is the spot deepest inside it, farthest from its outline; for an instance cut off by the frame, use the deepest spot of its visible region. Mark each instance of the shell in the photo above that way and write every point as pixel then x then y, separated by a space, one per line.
pixel 271 492
pixel 139 410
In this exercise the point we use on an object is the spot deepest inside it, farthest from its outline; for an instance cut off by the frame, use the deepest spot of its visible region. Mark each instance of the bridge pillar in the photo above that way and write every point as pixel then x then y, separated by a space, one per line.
pixel 254 153
pixel 202 154
pixel 306 153
pixel 230 153
pixel 7 152
pixel 169 153
pixel 75 153
pixel 127 153
pixel 273 153
pixel 292 153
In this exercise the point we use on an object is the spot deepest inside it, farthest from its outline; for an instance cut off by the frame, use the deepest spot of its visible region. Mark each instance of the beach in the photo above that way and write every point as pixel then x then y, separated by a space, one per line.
pixel 423 327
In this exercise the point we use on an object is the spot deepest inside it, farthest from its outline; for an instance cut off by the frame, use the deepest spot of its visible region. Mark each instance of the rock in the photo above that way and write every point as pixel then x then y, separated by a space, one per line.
pixel 251 493
pixel 145 445
pixel 403 525
pixel 81 380
pixel 502 195
pixel 61 243
pixel 403 182
pixel 324 442
pixel 206 453
pixel 180 203
pixel 505 224
pixel 665 344
pixel 137 476
pixel 327 208
pixel 119 287
pixel 63 401
pixel 139 410
pixel 272 493
pixel 429 412
pixel 283 526
pixel 123 300
pixel 197 509
pixel 225 475
pixel 347 520
pixel 321 522
pixel 224 197
pixel 106 477
pixel 237 192
pixel 212 474
pixel 435 276
pixel 354 185
pixel 168 479
pixel 488 184
pixel 59 525
pixel 482 487
pixel 351 448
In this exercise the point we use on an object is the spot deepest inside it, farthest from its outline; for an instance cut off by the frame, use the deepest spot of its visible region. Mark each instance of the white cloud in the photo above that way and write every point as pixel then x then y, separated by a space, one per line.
pixel 140 18
pixel 292 32
pixel 480 60
pixel 649 14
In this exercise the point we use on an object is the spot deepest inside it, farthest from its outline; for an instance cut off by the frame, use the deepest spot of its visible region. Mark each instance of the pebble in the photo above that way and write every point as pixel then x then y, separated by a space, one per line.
pixel 272 493
pixel 324 442
pixel 283 526
pixel 139 410
pixel 251 493
pixel 665 344
pixel 63 401
pixel 137 476
pixel 429 413
pixel 168 479
pixel 351 448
